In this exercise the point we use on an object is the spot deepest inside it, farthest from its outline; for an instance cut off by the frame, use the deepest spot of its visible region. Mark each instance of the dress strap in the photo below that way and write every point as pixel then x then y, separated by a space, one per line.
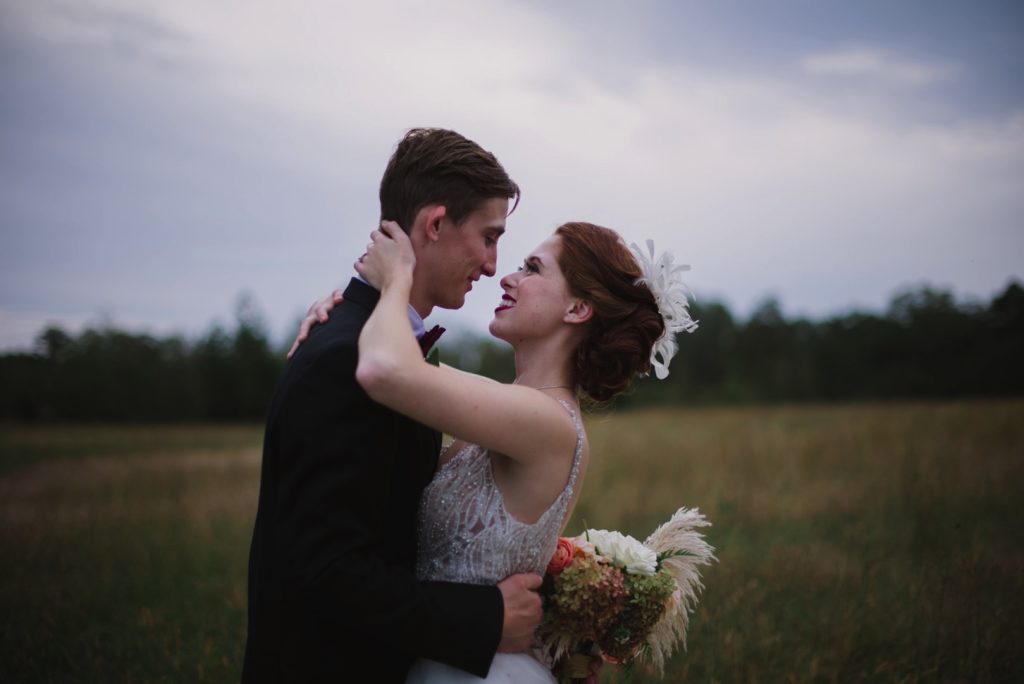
pixel 577 456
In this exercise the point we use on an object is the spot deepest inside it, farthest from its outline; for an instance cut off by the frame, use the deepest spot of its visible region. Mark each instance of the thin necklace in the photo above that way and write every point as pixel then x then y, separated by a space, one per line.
pixel 554 387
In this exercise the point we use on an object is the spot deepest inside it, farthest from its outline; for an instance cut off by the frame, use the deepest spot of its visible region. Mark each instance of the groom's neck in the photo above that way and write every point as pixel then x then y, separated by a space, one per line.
pixel 418 300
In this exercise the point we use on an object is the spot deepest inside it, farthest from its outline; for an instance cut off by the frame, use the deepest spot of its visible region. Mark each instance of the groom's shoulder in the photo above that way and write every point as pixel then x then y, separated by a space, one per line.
pixel 347 319
pixel 360 296
pixel 338 337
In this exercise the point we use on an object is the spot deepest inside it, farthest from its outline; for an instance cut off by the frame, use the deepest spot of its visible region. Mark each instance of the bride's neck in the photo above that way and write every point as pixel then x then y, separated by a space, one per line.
pixel 543 366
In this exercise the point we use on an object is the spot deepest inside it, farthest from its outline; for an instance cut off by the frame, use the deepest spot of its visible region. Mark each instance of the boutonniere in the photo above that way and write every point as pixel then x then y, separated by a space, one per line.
pixel 429 338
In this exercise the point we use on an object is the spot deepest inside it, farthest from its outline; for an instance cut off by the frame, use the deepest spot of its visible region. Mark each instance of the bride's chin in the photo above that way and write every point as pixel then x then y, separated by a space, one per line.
pixel 495 329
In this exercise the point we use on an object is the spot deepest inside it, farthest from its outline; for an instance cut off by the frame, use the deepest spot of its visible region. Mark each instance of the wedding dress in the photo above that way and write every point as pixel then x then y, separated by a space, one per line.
pixel 467 535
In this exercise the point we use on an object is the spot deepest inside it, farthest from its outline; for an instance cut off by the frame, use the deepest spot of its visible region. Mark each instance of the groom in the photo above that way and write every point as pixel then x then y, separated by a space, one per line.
pixel 332 591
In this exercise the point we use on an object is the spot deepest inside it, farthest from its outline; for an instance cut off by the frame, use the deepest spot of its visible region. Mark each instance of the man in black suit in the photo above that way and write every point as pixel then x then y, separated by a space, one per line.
pixel 332 591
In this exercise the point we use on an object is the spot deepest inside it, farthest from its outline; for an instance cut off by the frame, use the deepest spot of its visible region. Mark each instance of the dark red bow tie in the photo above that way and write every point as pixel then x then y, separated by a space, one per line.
pixel 429 338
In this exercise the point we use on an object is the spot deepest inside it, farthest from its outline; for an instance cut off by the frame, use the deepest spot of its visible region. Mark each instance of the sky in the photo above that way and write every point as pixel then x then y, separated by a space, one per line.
pixel 159 159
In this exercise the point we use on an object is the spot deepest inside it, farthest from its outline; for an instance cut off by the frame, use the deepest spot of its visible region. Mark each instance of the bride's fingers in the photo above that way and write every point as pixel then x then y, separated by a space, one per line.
pixel 319 312
pixel 304 327
pixel 322 307
pixel 295 345
pixel 395 232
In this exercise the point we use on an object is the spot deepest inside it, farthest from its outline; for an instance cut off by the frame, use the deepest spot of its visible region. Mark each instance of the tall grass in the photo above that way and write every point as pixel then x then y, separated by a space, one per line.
pixel 855 543
pixel 127 567
pixel 877 543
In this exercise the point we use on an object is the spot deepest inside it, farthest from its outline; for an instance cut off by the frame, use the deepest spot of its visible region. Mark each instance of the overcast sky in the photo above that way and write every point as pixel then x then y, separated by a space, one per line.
pixel 159 158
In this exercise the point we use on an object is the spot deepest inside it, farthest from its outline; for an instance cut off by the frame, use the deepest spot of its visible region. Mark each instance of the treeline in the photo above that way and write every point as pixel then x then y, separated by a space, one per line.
pixel 925 345
pixel 105 374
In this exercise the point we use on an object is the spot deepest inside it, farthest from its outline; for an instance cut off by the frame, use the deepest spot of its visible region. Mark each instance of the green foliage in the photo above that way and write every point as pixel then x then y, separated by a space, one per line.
pixel 674 553
pixel 645 606
pixel 105 374
pixel 925 345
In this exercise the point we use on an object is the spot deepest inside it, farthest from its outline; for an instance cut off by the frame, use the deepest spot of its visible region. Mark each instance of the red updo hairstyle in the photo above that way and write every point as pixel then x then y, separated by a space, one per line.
pixel 625 324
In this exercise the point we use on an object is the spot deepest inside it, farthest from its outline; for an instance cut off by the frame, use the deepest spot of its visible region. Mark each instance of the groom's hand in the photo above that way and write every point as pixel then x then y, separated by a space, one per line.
pixel 522 612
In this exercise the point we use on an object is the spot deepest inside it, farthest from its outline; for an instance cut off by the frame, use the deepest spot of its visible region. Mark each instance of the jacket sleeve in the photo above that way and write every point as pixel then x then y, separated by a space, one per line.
pixel 341 449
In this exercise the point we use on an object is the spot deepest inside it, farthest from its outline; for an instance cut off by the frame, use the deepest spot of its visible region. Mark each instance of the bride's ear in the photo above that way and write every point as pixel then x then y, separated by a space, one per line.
pixel 579 312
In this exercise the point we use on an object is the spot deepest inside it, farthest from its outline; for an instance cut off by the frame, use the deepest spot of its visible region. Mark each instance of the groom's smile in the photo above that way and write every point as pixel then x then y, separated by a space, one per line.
pixel 466 253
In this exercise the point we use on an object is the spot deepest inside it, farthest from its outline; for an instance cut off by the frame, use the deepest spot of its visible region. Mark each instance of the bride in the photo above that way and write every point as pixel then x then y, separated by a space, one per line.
pixel 583 321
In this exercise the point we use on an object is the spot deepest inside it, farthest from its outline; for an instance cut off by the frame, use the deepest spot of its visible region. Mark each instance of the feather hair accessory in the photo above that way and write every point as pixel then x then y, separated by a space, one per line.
pixel 662 277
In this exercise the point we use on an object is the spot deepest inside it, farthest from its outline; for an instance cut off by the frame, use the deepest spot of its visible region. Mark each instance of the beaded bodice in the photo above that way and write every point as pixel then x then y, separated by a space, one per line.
pixel 467 535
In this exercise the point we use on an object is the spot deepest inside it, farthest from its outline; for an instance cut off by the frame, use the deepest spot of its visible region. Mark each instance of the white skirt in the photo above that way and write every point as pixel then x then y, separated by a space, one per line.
pixel 509 668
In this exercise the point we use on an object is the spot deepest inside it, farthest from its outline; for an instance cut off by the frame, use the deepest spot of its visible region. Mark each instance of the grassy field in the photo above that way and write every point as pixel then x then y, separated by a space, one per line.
pixel 855 543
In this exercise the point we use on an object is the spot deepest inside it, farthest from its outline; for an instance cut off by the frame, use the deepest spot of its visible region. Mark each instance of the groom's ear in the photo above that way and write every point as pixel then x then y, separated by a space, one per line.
pixel 433 216
pixel 579 312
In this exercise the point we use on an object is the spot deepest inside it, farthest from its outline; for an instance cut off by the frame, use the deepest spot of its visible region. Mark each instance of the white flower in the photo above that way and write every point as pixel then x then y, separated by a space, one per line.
pixel 587 547
pixel 624 550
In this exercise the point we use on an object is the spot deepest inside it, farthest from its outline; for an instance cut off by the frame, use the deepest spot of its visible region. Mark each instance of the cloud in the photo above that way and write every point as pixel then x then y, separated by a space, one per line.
pixel 876 65
pixel 253 162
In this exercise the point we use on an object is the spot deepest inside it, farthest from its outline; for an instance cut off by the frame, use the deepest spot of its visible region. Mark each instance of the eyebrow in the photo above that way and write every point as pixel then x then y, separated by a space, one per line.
pixel 538 261
pixel 496 231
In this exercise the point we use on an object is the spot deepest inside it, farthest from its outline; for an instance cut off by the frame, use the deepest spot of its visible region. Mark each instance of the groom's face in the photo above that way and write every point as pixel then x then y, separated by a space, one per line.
pixel 464 253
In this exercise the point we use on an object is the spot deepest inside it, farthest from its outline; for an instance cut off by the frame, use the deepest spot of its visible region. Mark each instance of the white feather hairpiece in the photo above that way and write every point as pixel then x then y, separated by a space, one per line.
pixel 662 277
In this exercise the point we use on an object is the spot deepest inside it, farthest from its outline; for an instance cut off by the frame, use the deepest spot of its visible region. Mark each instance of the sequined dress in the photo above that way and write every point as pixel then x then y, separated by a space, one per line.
pixel 467 535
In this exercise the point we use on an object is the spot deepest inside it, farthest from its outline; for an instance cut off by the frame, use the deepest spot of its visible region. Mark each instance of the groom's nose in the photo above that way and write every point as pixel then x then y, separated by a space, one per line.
pixel 490 265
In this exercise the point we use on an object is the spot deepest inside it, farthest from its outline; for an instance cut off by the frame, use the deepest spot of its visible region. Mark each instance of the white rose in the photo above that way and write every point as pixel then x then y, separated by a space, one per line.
pixel 587 547
pixel 624 550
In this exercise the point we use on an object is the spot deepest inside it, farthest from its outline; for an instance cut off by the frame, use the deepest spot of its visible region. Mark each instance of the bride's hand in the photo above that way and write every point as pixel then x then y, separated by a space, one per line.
pixel 388 257
pixel 318 313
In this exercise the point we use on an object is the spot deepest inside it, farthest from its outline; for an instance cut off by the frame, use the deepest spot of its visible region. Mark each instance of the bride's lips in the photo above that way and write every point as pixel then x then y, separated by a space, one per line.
pixel 506 303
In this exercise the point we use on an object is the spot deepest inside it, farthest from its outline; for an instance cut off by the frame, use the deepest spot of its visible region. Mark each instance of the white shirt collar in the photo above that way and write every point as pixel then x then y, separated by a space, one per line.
pixel 415 320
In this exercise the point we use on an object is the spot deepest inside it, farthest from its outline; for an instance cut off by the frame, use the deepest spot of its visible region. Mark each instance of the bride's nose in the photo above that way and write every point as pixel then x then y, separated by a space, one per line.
pixel 508 281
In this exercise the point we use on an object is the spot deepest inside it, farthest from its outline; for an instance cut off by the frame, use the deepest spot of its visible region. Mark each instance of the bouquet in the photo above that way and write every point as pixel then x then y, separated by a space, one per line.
pixel 608 596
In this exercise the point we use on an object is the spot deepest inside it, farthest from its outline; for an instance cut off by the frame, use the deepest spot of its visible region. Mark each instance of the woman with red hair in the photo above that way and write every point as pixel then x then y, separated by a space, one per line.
pixel 585 315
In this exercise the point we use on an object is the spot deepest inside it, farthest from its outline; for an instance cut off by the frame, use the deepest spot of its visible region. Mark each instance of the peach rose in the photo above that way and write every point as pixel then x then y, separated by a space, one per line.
pixel 562 557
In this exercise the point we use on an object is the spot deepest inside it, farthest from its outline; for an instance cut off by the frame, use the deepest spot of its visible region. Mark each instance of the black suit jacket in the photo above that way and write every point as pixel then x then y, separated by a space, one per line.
pixel 332 592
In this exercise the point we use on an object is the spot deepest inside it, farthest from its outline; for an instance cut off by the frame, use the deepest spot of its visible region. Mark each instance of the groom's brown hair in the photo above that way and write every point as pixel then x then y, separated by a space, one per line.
pixel 438 166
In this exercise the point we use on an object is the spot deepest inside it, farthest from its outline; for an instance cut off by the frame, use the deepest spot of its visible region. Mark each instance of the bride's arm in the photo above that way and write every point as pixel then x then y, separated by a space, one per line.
pixel 516 421
pixel 471 375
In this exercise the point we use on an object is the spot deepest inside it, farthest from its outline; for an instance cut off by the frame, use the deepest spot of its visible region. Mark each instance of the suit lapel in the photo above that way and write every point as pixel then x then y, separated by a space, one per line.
pixel 426 442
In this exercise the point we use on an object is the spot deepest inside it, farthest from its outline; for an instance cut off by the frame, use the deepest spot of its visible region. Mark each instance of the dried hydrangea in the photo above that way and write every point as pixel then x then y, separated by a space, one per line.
pixel 647 597
pixel 583 599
